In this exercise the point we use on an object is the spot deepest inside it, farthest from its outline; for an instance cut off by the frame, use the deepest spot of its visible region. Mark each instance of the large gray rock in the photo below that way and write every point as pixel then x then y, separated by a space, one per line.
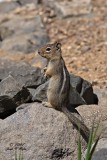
pixel 70 8
pixel 44 133
pixel 21 25
pixel 41 133
pixel 96 114
pixel 6 7
pixel 19 34
pixel 11 95
pixel 25 74
pixel 25 43
pixel 9 86
pixel 101 150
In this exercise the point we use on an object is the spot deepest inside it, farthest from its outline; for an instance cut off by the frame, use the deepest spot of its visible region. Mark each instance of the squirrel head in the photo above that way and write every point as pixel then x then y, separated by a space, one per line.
pixel 50 51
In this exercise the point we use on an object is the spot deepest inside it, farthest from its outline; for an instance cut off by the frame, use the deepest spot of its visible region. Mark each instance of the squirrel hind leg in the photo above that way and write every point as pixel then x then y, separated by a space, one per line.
pixel 47 104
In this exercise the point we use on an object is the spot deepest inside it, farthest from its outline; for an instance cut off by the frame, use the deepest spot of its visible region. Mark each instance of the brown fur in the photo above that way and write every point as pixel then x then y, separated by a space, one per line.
pixel 59 85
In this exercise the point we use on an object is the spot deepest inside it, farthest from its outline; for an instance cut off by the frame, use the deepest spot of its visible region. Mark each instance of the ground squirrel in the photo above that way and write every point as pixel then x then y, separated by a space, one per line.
pixel 58 91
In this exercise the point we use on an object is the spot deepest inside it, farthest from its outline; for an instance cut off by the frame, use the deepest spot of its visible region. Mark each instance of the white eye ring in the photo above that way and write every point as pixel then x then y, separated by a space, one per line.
pixel 48 49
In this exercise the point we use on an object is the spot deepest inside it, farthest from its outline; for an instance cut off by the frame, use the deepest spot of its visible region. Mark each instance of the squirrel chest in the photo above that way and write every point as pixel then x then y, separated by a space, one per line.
pixel 58 85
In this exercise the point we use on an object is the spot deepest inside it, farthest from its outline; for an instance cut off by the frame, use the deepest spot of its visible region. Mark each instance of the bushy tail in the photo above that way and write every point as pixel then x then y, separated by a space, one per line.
pixel 77 123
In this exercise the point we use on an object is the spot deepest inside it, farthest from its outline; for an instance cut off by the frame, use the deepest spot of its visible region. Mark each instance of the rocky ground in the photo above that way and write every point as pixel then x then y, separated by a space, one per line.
pixel 83 37
pixel 81 27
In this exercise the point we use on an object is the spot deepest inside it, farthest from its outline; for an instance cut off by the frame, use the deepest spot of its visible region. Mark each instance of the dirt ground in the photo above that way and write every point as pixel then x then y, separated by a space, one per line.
pixel 84 42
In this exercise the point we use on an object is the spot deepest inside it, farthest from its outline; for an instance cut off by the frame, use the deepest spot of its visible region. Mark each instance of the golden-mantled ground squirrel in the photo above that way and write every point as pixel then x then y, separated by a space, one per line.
pixel 58 92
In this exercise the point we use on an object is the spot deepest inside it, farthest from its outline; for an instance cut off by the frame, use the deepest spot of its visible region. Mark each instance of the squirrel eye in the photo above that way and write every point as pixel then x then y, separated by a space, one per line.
pixel 48 49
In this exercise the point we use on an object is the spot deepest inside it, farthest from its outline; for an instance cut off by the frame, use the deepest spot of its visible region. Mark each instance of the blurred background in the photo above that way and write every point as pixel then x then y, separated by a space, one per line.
pixel 80 25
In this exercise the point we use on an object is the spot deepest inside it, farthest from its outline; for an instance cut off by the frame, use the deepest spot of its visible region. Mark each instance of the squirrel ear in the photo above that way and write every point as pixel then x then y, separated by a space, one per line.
pixel 58 45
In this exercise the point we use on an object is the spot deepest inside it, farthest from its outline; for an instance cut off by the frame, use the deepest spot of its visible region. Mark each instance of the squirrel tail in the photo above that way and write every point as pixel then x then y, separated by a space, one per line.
pixel 77 123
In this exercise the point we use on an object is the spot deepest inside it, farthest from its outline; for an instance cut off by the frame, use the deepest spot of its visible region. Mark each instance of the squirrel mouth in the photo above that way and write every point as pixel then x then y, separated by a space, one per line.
pixel 40 53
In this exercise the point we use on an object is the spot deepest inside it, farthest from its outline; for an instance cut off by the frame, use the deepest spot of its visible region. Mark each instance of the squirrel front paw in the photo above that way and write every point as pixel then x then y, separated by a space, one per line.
pixel 43 71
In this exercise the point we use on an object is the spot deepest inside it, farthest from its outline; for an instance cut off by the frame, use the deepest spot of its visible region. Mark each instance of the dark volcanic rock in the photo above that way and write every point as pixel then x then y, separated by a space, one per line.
pixel 6 7
pixel 76 82
pixel 14 78
pixel 7 106
pixel 84 88
pixel 40 93
pixel 25 74
pixel 87 92
pixel 11 96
